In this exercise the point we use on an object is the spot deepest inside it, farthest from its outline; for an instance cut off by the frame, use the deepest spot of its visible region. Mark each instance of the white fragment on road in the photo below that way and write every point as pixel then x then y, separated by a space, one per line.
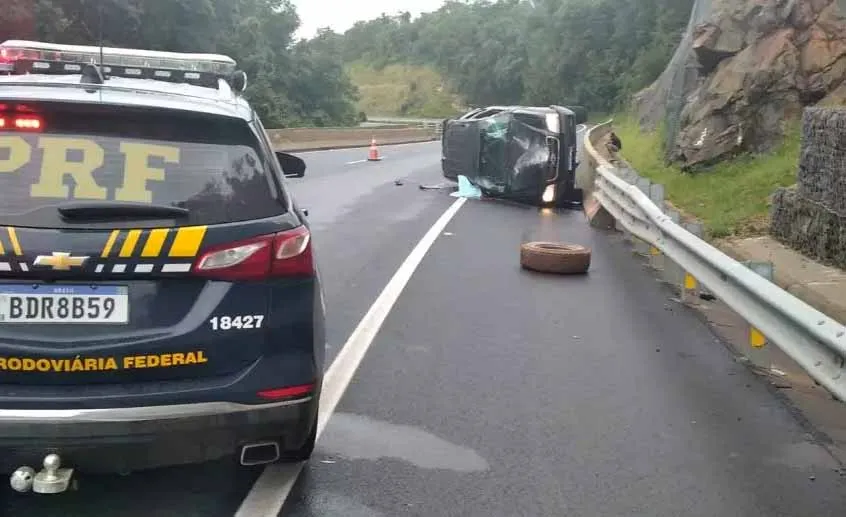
pixel 271 489
pixel 448 234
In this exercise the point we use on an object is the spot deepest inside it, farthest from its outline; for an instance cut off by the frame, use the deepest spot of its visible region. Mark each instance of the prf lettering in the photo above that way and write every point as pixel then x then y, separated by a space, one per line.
pixel 55 166
pixel 101 364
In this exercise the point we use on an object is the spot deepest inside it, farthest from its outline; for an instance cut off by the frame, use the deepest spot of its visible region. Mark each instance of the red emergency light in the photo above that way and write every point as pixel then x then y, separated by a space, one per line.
pixel 30 123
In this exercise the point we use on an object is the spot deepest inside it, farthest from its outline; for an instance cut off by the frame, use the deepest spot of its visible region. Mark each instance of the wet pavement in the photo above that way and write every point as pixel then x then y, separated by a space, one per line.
pixel 490 391
pixel 494 391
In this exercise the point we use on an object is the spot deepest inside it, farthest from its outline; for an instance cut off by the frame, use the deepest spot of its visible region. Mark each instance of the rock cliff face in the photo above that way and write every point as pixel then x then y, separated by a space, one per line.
pixel 748 66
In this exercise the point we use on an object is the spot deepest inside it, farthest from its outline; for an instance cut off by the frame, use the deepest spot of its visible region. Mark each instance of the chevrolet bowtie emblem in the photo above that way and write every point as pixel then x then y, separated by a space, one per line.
pixel 60 261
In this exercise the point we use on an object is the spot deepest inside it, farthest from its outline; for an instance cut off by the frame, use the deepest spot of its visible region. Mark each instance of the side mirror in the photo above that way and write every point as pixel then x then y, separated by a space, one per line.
pixel 292 166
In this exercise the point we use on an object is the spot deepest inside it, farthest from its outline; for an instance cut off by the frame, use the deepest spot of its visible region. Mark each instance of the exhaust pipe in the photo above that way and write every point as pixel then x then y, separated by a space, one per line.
pixel 260 453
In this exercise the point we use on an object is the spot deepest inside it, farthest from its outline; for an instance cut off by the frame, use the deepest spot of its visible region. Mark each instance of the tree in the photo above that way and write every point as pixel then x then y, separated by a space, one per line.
pixel 290 82
pixel 589 52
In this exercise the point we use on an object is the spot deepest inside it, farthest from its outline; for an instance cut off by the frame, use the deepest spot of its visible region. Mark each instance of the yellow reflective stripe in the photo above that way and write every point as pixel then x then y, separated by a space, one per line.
pixel 129 244
pixel 187 241
pixel 2 249
pixel 756 339
pixel 110 243
pixel 13 237
pixel 689 281
pixel 154 243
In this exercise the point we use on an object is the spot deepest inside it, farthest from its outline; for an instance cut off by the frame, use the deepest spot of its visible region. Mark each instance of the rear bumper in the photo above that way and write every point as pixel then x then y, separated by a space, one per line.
pixel 128 439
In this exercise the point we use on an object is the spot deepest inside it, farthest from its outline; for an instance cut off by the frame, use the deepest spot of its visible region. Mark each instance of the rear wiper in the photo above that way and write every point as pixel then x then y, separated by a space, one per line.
pixel 91 210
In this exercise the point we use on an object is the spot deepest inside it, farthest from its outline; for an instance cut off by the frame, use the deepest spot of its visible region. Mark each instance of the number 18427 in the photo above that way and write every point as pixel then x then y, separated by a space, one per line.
pixel 236 322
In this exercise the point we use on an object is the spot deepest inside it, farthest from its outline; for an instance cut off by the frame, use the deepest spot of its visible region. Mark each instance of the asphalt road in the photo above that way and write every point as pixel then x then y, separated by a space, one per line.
pixel 491 391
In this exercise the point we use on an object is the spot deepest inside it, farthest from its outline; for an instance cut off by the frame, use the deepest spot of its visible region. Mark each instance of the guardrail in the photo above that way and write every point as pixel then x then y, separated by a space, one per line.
pixel 299 139
pixel 432 124
pixel 812 339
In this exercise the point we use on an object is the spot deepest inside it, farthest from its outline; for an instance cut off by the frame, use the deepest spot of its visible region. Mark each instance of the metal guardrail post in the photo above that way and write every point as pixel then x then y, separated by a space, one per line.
pixel 673 274
pixel 690 285
pixel 698 230
pixel 758 351
pixel 642 247
pixel 631 177
pixel 656 194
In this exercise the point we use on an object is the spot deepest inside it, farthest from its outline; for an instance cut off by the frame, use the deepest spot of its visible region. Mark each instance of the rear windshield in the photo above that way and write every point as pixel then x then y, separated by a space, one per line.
pixel 212 166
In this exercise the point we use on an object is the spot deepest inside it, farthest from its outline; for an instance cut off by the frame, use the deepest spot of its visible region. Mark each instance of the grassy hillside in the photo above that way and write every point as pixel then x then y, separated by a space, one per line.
pixel 402 90
pixel 732 198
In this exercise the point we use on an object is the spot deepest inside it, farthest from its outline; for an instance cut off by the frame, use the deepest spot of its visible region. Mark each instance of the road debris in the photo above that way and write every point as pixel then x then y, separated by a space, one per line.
pixel 439 186
pixel 467 189
pixel 554 257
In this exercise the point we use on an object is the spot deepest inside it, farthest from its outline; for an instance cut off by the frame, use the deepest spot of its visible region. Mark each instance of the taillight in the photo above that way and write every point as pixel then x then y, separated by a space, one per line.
pixel 277 255
pixel 287 392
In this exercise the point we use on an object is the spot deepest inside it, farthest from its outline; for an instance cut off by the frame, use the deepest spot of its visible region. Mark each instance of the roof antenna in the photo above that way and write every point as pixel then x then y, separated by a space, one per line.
pixel 91 73
pixel 100 13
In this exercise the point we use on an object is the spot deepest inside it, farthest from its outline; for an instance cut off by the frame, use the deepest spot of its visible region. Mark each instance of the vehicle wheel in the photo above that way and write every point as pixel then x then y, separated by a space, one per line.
pixel 554 257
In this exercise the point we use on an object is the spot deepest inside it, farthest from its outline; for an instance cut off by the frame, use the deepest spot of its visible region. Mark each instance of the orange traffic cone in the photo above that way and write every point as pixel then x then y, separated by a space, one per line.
pixel 373 156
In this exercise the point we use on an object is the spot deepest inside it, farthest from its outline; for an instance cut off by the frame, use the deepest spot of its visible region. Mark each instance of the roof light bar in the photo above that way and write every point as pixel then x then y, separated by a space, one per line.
pixel 32 57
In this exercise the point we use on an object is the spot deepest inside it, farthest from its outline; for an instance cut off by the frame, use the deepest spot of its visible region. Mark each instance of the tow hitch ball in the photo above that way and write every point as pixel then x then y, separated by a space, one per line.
pixel 51 480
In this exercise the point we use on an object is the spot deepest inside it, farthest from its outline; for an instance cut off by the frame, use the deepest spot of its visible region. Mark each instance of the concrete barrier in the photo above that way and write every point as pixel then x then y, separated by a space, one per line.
pixel 312 139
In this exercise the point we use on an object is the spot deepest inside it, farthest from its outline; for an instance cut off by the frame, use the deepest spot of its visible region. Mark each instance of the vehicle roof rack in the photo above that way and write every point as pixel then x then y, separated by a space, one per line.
pixel 19 57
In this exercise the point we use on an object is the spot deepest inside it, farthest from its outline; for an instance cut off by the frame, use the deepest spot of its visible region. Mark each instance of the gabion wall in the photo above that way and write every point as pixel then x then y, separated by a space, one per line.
pixel 811 217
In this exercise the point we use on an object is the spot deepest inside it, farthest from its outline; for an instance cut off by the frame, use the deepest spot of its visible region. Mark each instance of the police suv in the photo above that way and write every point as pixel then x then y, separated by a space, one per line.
pixel 159 299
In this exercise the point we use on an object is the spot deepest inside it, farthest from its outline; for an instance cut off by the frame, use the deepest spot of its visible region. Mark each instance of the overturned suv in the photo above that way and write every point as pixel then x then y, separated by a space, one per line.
pixel 522 153
pixel 159 298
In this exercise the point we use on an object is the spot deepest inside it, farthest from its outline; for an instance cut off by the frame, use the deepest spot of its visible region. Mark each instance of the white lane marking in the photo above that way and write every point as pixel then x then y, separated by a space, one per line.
pixel 381 157
pixel 270 491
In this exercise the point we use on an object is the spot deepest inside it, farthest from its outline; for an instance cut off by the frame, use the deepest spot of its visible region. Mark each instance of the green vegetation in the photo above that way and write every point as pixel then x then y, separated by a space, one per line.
pixel 730 198
pixel 593 53
pixel 402 90
pixel 290 82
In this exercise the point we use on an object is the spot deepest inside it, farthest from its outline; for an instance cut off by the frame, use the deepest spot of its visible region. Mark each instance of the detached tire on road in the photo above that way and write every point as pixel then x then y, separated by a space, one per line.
pixel 555 257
